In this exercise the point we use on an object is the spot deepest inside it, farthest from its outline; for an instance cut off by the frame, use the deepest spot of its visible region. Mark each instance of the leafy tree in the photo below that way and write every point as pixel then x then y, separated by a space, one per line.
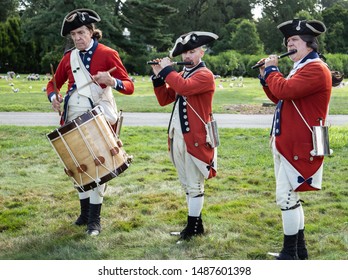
pixel 279 10
pixel 206 15
pixel 16 55
pixel 8 8
pixel 4 50
pixel 10 34
pixel 48 15
pixel 222 64
pixel 217 16
pixel 329 3
pixel 143 19
pixel 275 12
pixel 336 21
pixel 269 35
pixel 224 42
pixel 32 41
pixel 149 29
pixel 246 40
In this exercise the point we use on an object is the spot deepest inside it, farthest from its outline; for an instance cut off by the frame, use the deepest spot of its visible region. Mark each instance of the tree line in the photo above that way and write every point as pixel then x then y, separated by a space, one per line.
pixel 141 30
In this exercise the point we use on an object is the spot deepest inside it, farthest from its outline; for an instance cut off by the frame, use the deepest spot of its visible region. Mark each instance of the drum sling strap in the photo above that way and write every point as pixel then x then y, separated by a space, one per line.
pixel 87 87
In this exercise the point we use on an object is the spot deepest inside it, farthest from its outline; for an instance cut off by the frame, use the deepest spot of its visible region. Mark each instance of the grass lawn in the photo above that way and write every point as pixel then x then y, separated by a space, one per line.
pixel 230 97
pixel 38 203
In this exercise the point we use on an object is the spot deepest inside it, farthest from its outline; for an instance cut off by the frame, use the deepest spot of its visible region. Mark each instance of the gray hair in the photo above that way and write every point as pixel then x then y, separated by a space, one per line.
pixel 311 41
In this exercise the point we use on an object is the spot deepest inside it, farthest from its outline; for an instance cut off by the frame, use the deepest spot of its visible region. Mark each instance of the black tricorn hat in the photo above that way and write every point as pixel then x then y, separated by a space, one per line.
pixel 78 18
pixel 301 27
pixel 192 40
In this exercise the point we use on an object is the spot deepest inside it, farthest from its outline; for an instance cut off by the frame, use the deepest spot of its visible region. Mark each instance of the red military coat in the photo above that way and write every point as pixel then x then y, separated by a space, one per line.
pixel 198 89
pixel 103 59
pixel 310 89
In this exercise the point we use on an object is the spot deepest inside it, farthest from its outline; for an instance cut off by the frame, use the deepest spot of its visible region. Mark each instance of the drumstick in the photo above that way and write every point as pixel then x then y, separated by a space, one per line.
pixel 175 63
pixel 92 81
pixel 55 87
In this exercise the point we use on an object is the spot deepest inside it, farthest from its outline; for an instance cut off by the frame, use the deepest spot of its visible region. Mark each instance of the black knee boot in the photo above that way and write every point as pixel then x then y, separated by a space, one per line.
pixel 83 218
pixel 289 251
pixel 301 246
pixel 194 227
pixel 93 226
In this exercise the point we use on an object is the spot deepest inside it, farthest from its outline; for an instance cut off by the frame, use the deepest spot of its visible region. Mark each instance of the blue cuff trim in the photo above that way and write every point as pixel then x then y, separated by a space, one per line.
pixel 50 96
pixel 165 72
pixel 118 84
pixel 157 81
pixel 269 70
pixel 262 81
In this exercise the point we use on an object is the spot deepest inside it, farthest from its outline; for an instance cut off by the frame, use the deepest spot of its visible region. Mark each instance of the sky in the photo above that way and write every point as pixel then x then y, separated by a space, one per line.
pixel 257 12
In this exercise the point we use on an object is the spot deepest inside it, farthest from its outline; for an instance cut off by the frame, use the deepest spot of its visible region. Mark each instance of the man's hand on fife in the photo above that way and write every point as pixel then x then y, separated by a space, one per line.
pixel 162 63
pixel 272 60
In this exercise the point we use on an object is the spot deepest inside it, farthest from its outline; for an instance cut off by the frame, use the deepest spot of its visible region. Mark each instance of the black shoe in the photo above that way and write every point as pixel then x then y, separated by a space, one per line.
pixel 289 251
pixel 302 254
pixel 81 221
pixel 93 232
pixel 83 218
pixel 285 256
pixel 93 226
pixel 193 228
pixel 301 246
pixel 179 233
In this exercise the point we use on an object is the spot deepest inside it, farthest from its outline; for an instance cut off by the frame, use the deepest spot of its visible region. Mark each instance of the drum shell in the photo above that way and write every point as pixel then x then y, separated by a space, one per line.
pixel 89 141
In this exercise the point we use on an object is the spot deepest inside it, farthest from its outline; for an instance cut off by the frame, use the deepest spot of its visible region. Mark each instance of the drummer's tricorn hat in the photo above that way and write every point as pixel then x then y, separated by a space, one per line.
pixel 301 27
pixel 192 40
pixel 78 18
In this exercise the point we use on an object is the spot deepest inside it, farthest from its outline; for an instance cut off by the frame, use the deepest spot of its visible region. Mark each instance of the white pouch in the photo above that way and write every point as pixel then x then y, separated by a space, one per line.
pixel 320 137
pixel 212 133
pixel 106 100
pixel 212 137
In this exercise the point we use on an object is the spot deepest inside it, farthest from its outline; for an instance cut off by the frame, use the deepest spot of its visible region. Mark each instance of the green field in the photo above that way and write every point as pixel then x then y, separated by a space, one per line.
pixel 38 203
pixel 232 96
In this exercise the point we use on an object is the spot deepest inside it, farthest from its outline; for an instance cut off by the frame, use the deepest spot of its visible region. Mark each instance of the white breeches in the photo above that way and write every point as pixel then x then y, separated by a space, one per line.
pixel 95 195
pixel 191 179
pixel 285 196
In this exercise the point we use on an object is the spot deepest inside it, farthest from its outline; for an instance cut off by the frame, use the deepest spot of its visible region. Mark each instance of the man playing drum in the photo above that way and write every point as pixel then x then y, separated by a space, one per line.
pixel 88 69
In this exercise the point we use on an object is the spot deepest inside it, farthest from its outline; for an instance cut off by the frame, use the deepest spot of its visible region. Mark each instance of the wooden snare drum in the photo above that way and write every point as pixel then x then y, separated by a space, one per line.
pixel 89 149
